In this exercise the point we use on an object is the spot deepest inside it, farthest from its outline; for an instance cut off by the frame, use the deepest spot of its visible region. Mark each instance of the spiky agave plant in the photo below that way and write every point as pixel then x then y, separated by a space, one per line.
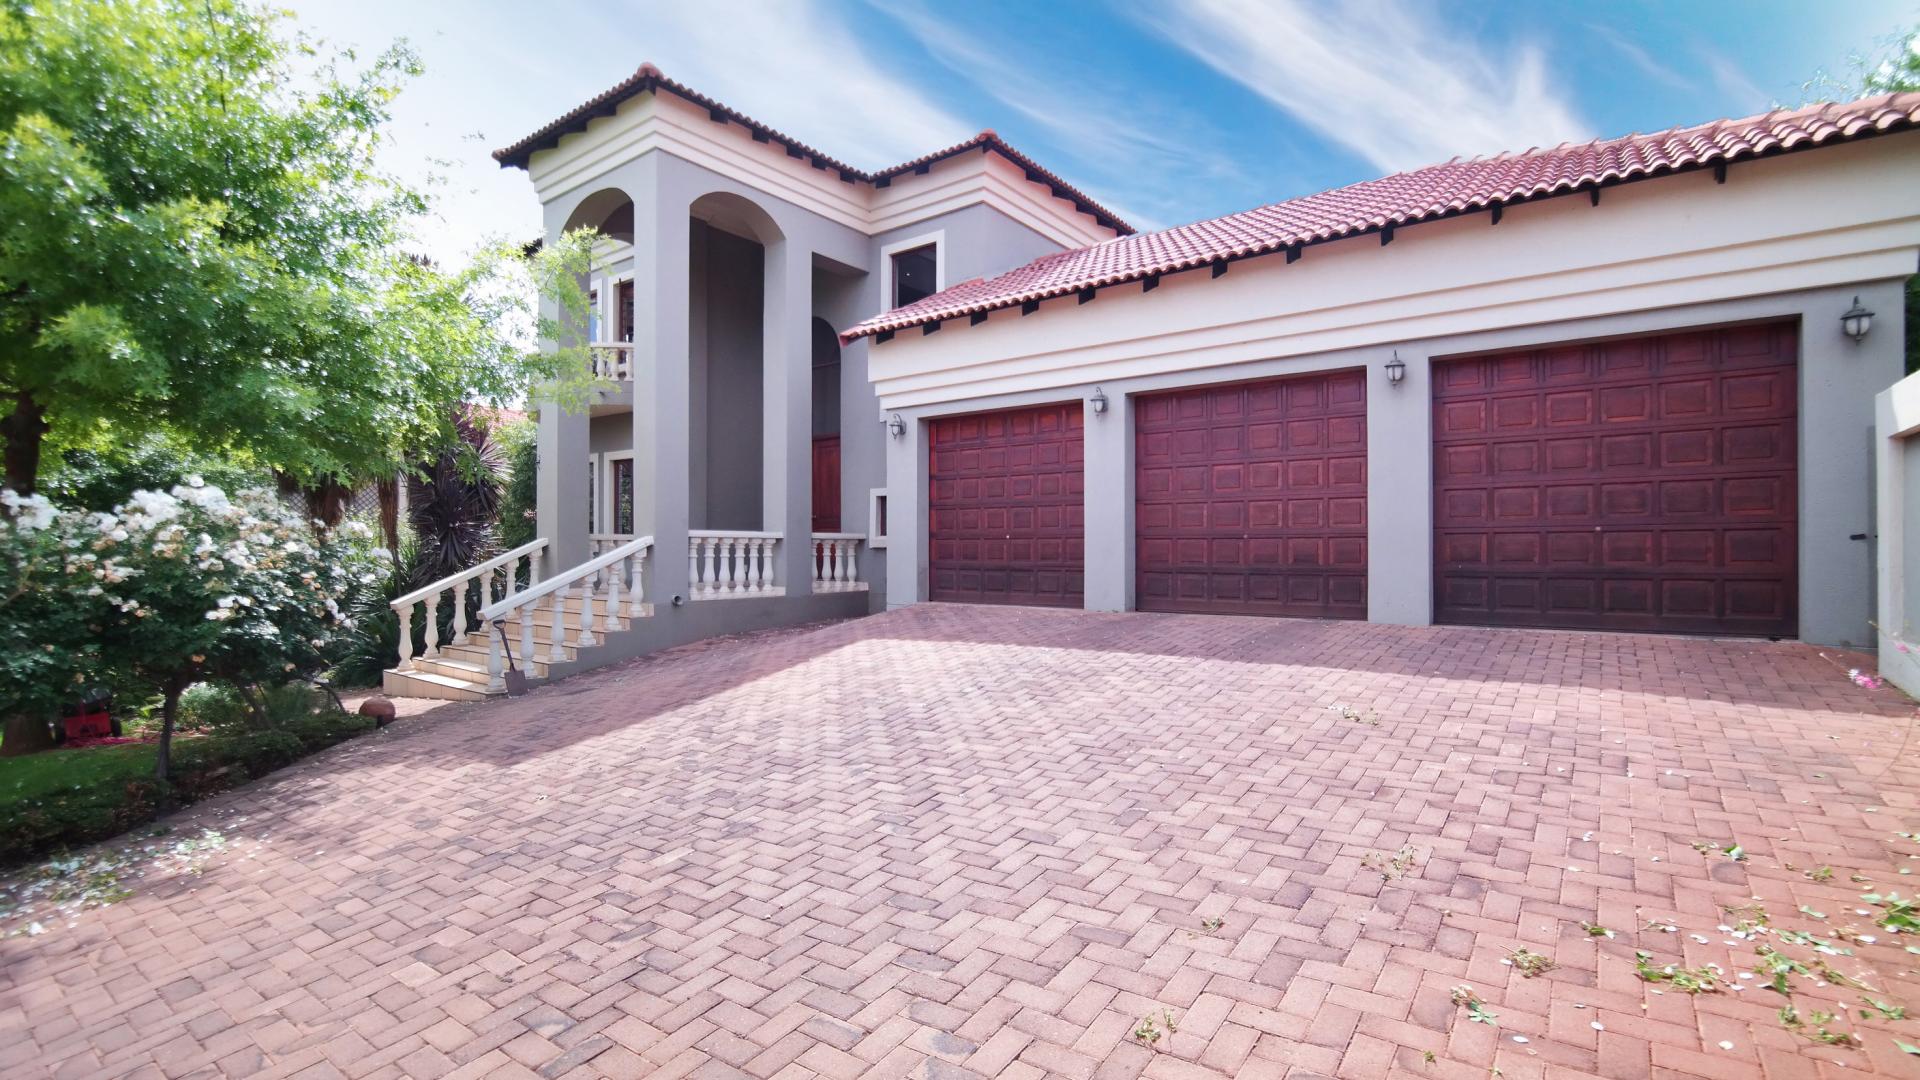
pixel 453 502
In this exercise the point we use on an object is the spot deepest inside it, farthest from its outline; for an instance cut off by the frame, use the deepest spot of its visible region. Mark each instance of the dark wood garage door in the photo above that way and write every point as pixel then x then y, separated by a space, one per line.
pixel 1251 499
pixel 1007 510
pixel 1643 484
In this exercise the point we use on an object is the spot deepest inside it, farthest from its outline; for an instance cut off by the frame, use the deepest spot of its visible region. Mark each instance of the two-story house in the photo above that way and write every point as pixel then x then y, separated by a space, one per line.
pixel 1625 385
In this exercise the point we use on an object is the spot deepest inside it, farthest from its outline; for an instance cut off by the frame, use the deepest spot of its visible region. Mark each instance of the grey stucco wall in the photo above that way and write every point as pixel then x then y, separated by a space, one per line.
pixel 727 279
pixel 1838 381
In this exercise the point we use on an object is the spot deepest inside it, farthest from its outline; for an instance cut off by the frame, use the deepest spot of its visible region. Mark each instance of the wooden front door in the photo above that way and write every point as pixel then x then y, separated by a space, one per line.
pixel 826 483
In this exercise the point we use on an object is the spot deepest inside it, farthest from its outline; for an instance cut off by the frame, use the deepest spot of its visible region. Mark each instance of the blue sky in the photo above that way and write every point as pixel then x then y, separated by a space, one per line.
pixel 1167 112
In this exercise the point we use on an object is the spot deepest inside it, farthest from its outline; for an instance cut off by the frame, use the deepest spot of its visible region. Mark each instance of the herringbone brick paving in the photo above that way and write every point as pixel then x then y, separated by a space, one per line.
pixel 949 842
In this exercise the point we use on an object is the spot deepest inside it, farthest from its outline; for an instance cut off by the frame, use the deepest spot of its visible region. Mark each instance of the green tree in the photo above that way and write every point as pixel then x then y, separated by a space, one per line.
pixel 194 239
pixel 1892 67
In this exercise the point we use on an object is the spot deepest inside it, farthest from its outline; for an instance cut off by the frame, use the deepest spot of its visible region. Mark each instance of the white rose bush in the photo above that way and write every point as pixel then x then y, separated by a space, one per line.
pixel 168 589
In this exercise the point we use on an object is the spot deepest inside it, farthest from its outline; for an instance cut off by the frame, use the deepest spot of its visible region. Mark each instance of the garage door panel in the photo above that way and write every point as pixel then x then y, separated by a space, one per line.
pixel 1271 517
pixel 1668 506
pixel 1005 515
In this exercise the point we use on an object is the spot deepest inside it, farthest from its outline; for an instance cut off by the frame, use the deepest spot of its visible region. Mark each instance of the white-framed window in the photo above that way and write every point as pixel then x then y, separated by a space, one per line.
pixel 616 492
pixel 877 518
pixel 913 268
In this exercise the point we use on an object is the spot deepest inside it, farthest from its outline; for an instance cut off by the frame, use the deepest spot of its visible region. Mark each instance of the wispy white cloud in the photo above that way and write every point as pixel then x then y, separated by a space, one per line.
pixel 801 69
pixel 1639 57
pixel 1383 78
pixel 1140 155
pixel 1742 93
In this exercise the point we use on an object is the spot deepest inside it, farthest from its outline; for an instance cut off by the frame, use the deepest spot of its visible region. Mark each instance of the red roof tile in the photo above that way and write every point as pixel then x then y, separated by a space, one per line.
pixel 649 79
pixel 1437 191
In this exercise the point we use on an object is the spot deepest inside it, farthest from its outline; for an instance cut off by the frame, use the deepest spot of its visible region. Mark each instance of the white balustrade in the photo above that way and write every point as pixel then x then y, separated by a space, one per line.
pixel 836 562
pixel 496 579
pixel 601 543
pixel 722 565
pixel 608 587
pixel 612 360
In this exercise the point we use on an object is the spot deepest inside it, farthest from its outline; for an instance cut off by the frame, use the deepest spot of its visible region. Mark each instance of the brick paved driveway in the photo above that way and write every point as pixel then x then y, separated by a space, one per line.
pixel 949 842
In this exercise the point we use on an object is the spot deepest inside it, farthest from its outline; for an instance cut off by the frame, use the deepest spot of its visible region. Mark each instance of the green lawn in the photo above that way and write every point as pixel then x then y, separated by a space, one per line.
pixel 62 798
pixel 39 776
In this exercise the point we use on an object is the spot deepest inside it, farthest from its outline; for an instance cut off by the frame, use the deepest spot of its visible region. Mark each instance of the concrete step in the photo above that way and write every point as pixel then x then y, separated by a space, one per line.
pixel 426 684
pixel 447 665
pixel 474 651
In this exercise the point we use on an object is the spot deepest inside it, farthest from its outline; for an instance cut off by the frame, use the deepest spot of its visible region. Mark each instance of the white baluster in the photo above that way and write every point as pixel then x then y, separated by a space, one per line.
pixel 853 570
pixel 736 565
pixel 610 615
pixel 711 579
pixel 762 556
pixel 406 637
pixel 533 569
pixel 496 671
pixel 525 614
pixel 585 636
pixel 636 584
pixel 693 566
pixel 557 629
pixel 436 636
pixel 769 580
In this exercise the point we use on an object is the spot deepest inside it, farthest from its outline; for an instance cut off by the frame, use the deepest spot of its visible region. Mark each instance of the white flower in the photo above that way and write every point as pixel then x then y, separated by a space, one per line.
pixel 153 508
pixel 30 514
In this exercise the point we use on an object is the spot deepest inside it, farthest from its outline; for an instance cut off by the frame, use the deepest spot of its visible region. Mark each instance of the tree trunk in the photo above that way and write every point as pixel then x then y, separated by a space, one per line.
pixel 26 735
pixel 169 712
pixel 388 488
pixel 24 428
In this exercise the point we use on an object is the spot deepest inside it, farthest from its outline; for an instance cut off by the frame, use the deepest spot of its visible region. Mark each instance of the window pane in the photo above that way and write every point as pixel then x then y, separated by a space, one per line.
pixel 913 275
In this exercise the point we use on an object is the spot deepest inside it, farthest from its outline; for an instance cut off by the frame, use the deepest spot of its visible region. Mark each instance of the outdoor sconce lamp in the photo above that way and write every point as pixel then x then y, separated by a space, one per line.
pixel 1098 401
pixel 1856 321
pixel 896 427
pixel 1396 369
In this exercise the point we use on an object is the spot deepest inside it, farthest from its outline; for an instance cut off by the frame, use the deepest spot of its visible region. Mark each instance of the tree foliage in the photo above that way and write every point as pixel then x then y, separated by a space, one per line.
pixel 194 239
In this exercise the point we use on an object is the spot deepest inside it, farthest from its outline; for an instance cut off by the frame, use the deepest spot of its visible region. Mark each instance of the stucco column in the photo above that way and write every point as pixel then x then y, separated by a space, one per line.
pixel 1109 505
pixel 560 489
pixel 1400 580
pixel 1838 381
pixel 786 501
pixel 661 397
pixel 906 512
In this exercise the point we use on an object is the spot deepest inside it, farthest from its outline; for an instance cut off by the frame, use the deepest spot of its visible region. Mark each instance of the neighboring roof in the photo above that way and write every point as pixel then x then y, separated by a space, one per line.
pixel 649 79
pixel 1378 206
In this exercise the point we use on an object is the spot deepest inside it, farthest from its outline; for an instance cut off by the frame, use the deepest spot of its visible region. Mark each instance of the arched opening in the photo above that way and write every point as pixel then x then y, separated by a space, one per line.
pixel 826 427
pixel 613 501
pixel 728 241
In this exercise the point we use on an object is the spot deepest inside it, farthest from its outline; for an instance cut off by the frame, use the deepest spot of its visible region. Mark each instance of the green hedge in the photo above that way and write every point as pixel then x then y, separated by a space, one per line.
pixel 62 798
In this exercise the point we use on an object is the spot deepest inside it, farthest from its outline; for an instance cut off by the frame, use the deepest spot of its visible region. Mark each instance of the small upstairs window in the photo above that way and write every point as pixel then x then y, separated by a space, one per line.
pixel 916 274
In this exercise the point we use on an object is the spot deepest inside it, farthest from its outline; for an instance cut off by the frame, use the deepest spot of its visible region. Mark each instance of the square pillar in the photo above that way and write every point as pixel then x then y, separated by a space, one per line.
pixel 1108 443
pixel 906 511
pixel 786 471
pixel 662 396
pixel 1400 580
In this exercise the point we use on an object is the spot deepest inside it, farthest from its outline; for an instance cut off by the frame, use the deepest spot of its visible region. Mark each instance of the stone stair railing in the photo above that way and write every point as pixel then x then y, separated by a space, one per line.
pixel 616 579
pixel 723 565
pixel 836 562
pixel 497 578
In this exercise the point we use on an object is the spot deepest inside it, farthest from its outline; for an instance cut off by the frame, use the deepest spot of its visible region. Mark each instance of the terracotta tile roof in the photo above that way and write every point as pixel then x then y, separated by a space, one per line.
pixel 1377 206
pixel 649 79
